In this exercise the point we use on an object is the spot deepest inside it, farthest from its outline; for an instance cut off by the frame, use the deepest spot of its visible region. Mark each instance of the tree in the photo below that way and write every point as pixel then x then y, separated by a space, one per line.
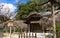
pixel 25 9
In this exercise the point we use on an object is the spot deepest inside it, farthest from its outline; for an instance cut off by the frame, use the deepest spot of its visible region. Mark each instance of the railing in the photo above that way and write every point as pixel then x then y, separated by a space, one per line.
pixel 20 35
pixel 28 35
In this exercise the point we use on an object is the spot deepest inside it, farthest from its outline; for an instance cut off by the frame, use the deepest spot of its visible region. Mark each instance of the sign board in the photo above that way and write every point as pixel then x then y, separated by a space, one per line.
pixel 10 23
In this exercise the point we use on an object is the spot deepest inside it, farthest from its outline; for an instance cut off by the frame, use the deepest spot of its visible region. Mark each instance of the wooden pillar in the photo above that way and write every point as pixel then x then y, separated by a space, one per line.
pixel 10 28
pixel 54 25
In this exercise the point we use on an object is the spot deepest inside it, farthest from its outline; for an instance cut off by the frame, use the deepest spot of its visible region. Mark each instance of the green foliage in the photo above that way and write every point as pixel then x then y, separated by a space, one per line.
pixel 58 26
pixel 33 5
pixel 38 2
pixel 58 29
pixel 25 9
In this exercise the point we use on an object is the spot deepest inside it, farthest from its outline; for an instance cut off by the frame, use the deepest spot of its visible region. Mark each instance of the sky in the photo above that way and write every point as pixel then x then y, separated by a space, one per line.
pixel 9 7
pixel 13 1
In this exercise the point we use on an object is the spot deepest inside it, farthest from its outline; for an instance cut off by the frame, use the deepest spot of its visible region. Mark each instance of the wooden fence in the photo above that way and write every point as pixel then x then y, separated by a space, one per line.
pixel 20 35
pixel 28 35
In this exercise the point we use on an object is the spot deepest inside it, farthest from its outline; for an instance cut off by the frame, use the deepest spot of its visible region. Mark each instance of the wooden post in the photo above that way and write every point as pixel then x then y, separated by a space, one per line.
pixel 29 35
pixel 24 34
pixel 54 26
pixel 35 35
pixel 10 24
pixel 32 35
pixel 10 32
pixel 21 33
pixel 29 30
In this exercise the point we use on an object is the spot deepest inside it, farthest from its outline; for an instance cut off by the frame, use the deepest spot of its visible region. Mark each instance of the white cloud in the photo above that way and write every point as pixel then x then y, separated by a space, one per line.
pixel 7 10
pixel 17 1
